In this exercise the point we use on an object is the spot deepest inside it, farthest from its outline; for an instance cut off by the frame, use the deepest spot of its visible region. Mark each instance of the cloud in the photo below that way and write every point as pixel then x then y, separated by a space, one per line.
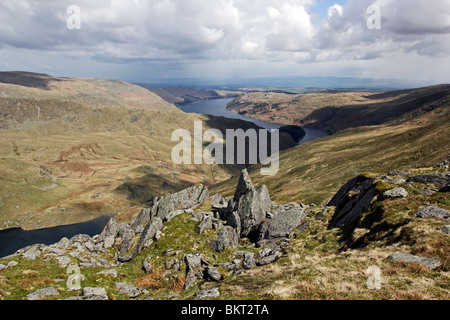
pixel 228 33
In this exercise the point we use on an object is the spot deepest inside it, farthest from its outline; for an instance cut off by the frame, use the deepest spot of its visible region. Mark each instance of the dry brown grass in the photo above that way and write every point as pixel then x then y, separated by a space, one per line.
pixel 151 281
pixel 28 281
pixel 177 284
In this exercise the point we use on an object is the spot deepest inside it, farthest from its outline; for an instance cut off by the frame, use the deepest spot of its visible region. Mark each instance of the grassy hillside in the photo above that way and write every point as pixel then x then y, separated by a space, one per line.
pixel 73 149
pixel 338 110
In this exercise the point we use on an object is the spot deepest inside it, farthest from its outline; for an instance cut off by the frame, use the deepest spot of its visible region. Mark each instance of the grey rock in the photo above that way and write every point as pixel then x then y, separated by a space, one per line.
pixel 185 199
pixel 63 261
pixel 439 180
pixel 427 192
pixel 248 261
pixel 398 181
pixel 193 269
pixel 433 212
pixel 124 258
pixel 143 217
pixel 32 252
pixel 206 224
pixel 352 200
pixel 130 290
pixel 282 224
pixel 395 193
pixel 147 236
pixel 94 293
pixel 207 293
pixel 146 265
pixel 12 264
pixel 211 273
pixel 270 258
pixel 110 272
pixel 2 266
pixel 43 293
pixel 445 229
pixel 81 238
pixel 430 263
pixel 227 237
pixel 234 221
pixel 244 185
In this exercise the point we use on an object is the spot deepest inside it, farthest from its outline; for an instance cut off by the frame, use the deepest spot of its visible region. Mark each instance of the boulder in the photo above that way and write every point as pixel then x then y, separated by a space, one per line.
pixel 234 221
pixel 130 290
pixel 90 293
pixel 207 293
pixel 146 265
pixel 148 234
pixel 211 273
pixel 273 256
pixel 433 212
pixel 430 263
pixel 206 224
pixel 43 293
pixel 395 193
pixel 227 237
pixel 282 224
pixel 193 269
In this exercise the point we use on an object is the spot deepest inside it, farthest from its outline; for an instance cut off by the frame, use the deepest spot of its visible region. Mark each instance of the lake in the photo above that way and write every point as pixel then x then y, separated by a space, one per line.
pixel 12 240
pixel 218 108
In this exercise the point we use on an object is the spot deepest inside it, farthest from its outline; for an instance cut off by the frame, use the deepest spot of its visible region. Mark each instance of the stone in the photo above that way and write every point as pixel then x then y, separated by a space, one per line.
pixel 146 265
pixel 143 217
pixel 130 290
pixel 248 261
pixel 395 193
pixel 352 200
pixel 2 266
pixel 193 269
pixel 206 224
pixel 227 237
pixel 234 221
pixel 430 263
pixel 282 224
pixel 94 293
pixel 207 293
pixel 32 252
pixel 433 212
pixel 43 293
pixel 439 180
pixel 63 261
pixel 444 229
pixel 211 273
pixel 124 258
pixel 427 192
pixel 109 272
pixel 147 236
pixel 185 199
pixel 269 258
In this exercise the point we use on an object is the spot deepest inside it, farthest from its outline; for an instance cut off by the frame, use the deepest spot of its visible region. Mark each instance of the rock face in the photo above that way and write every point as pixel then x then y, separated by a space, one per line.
pixel 430 263
pixel 250 204
pixel 433 212
pixel 282 224
pixel 193 269
pixel 352 200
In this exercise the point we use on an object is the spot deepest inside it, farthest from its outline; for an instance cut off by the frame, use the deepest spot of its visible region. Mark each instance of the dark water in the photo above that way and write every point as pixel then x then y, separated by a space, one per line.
pixel 13 239
pixel 218 107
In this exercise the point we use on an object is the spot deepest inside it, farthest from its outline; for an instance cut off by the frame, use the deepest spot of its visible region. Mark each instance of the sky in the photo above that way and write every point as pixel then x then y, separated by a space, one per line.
pixel 225 40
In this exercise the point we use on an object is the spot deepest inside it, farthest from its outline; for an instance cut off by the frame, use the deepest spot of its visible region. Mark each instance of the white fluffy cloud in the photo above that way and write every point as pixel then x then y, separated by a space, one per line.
pixel 226 33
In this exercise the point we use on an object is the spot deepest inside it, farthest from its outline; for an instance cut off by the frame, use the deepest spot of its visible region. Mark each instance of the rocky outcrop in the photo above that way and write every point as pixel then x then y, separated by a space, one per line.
pixel 250 203
pixel 352 200
pixel 227 237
